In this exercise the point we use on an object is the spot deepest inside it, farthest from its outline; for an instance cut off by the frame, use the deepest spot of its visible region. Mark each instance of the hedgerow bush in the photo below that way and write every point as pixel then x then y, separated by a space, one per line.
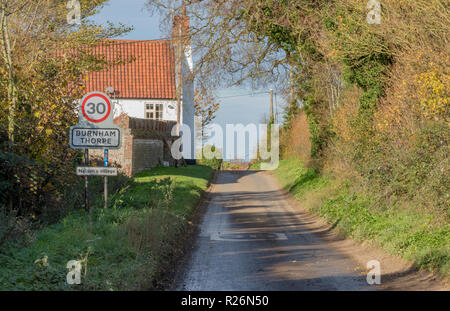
pixel 215 162
pixel 375 96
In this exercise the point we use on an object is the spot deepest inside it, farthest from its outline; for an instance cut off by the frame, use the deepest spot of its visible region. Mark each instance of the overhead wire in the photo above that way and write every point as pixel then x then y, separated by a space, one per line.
pixel 243 95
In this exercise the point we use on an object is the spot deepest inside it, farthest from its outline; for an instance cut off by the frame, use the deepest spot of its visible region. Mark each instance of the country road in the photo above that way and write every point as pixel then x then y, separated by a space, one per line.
pixel 251 239
pixel 254 236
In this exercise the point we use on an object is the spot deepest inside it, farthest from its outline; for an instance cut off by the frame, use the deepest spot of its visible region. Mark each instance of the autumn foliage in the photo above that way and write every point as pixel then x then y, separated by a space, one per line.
pixel 39 88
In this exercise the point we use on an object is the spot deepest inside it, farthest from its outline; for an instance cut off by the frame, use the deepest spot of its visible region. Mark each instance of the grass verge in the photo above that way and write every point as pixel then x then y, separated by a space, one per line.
pixel 129 246
pixel 255 165
pixel 409 233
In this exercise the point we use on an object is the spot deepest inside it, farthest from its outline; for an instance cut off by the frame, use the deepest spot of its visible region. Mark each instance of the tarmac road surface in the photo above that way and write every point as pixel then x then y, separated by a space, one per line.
pixel 250 238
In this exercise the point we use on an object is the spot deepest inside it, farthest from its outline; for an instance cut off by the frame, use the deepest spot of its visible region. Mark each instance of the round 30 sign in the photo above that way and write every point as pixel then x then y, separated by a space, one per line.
pixel 96 107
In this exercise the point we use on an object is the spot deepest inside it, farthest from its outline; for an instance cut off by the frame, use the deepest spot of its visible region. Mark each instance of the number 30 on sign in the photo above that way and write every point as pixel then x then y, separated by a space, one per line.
pixel 96 107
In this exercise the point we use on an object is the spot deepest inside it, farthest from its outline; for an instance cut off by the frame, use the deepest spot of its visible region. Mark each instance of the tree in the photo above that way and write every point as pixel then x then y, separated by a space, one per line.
pixel 227 51
pixel 205 107
pixel 43 66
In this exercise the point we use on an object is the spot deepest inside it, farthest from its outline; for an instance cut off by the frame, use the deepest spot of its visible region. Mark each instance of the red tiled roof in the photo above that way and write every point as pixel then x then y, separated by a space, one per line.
pixel 147 69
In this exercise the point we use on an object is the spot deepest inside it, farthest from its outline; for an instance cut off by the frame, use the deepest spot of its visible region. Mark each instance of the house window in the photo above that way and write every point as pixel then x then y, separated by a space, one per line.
pixel 154 111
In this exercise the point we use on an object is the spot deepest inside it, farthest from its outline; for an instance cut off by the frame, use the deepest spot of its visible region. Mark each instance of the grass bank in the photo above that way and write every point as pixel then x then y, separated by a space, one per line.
pixel 129 246
pixel 412 234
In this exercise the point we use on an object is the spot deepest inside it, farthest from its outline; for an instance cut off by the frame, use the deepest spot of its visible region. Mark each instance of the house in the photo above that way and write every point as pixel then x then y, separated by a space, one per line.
pixel 144 86
pixel 152 79
pixel 145 144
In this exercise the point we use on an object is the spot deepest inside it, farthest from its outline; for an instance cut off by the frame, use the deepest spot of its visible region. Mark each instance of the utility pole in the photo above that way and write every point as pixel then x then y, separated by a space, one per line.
pixel 271 105
pixel 276 109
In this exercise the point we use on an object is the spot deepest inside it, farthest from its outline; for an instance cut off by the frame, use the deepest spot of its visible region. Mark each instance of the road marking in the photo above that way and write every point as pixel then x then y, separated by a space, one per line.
pixel 246 236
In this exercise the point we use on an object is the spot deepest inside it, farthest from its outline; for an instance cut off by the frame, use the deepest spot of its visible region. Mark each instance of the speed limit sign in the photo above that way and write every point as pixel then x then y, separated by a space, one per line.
pixel 96 128
pixel 96 107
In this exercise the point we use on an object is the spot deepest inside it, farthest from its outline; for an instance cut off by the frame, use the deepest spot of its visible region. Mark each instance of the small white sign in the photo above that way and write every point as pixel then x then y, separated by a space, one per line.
pixel 96 171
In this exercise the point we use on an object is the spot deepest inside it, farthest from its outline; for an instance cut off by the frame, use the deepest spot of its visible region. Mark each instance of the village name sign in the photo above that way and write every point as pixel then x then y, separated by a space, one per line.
pixel 95 129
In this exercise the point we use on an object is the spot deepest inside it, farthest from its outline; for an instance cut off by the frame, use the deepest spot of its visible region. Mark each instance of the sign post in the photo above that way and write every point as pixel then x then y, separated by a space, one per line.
pixel 95 130
pixel 106 178
pixel 86 194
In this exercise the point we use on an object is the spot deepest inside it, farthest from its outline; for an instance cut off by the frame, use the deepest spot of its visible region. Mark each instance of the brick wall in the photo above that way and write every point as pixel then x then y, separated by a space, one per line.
pixel 144 144
pixel 147 153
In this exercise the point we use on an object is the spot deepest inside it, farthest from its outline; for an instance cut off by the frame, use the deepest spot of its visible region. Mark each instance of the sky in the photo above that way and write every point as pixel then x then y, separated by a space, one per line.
pixel 234 107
